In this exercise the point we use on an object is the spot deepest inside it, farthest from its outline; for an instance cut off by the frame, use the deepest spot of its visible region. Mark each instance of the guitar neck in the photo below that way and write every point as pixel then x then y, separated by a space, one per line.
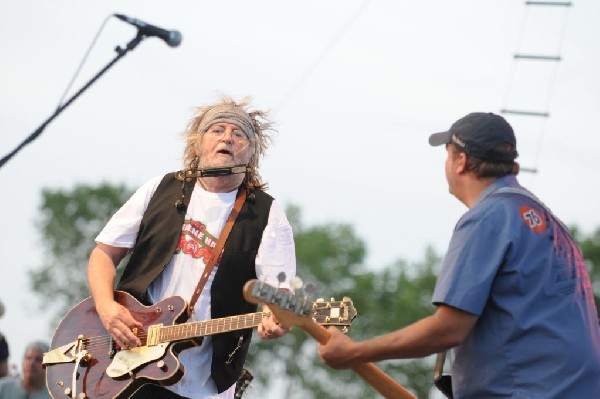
pixel 293 310
pixel 386 386
pixel 185 331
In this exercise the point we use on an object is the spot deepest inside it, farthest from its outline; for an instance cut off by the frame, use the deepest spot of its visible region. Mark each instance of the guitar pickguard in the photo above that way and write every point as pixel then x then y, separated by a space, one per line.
pixel 127 360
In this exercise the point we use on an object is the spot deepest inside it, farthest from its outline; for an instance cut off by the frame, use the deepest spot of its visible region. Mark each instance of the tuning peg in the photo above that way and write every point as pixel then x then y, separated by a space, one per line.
pixel 281 277
pixel 296 283
pixel 267 271
pixel 309 289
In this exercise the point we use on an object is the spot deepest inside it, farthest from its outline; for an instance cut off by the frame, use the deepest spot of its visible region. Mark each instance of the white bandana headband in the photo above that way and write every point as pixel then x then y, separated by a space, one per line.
pixel 228 114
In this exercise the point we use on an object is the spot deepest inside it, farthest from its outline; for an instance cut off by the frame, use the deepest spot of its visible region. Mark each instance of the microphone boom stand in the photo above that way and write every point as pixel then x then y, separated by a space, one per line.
pixel 120 54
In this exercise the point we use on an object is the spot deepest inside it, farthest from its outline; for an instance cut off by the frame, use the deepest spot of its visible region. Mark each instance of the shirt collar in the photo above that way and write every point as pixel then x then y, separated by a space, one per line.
pixel 505 181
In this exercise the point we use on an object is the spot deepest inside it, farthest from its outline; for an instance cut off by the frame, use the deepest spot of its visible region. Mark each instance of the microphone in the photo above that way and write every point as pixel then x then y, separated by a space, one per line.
pixel 171 37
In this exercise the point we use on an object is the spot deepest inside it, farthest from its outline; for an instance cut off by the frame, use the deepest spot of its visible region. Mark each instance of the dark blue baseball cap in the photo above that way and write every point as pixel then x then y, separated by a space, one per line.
pixel 478 134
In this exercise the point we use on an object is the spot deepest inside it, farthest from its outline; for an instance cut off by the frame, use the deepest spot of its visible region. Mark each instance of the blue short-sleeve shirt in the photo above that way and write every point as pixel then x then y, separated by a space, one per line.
pixel 513 265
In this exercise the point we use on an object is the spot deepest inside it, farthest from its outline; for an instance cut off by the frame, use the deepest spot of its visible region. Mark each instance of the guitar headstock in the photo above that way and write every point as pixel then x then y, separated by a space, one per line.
pixel 293 310
pixel 334 313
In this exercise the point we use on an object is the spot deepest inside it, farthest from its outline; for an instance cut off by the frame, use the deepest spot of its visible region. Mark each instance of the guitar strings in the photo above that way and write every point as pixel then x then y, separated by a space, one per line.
pixel 207 326
pixel 106 341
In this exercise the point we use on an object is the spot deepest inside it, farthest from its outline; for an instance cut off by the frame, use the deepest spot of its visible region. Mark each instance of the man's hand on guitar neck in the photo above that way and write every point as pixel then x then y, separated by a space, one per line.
pixel 270 328
pixel 340 351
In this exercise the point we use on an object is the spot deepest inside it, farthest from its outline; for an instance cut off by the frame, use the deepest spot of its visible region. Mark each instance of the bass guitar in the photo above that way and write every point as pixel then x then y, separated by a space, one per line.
pixel 293 310
pixel 85 363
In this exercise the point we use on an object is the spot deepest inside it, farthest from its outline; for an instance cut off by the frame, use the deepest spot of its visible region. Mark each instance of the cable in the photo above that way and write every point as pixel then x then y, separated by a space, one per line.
pixel 551 83
pixel 85 57
pixel 511 74
pixel 336 38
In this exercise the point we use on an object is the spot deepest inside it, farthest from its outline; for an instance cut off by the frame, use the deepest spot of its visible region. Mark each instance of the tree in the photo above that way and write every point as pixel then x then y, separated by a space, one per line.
pixel 590 248
pixel 69 222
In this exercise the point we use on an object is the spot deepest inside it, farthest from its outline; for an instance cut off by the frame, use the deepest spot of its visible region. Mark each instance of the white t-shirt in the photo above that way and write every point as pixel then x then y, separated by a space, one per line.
pixel 205 218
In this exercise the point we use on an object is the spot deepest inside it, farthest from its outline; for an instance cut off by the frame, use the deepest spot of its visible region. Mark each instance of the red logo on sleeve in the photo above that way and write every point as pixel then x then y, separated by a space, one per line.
pixel 533 219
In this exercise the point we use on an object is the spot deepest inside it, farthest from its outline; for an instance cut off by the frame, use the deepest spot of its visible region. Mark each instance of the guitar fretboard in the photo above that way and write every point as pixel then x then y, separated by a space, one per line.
pixel 210 327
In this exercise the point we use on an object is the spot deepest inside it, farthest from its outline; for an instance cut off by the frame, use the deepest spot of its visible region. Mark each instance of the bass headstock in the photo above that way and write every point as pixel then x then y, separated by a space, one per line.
pixel 296 310
pixel 334 313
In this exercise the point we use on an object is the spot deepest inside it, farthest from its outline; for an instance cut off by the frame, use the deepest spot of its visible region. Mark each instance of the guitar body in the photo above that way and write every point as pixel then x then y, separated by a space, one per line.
pixel 88 374
pixel 85 363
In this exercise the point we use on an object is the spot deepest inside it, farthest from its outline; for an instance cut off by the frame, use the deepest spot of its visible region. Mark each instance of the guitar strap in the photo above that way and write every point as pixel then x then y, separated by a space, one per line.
pixel 218 249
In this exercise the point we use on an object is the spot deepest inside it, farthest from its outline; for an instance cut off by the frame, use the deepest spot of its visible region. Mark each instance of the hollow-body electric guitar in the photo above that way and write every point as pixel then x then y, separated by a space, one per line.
pixel 85 363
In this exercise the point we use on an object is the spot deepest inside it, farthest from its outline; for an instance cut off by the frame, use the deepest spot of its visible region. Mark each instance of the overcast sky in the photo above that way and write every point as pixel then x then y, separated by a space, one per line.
pixel 356 87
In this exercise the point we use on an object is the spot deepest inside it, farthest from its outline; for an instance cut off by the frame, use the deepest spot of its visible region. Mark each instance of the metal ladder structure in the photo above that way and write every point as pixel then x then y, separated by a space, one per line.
pixel 533 74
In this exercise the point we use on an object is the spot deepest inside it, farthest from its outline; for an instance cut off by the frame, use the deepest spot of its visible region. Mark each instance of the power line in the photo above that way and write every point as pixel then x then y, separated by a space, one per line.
pixel 326 50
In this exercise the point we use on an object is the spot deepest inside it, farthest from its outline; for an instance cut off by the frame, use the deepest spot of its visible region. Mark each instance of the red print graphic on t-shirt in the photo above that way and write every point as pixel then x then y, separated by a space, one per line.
pixel 196 241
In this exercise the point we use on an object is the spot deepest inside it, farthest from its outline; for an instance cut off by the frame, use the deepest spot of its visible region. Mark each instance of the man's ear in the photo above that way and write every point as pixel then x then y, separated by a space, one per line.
pixel 461 164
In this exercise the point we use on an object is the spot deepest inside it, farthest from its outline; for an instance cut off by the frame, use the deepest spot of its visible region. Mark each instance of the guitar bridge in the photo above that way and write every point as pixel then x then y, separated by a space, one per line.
pixel 69 353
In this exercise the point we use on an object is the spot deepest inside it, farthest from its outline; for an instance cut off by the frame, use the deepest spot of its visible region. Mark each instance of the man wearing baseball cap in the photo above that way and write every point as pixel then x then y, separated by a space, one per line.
pixel 514 298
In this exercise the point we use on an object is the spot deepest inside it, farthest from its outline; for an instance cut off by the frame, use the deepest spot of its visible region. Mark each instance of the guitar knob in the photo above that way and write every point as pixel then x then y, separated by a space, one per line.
pixel 68 392
pixel 161 365
pixel 82 396
pixel 86 358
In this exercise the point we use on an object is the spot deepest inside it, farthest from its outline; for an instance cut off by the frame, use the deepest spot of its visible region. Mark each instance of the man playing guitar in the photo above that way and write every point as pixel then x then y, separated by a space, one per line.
pixel 170 227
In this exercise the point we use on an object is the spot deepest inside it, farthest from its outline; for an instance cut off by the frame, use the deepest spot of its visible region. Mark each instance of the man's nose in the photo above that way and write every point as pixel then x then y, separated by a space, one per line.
pixel 227 135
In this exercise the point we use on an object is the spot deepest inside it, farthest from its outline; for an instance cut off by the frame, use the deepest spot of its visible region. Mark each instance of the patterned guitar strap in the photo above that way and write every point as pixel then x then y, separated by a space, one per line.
pixel 218 249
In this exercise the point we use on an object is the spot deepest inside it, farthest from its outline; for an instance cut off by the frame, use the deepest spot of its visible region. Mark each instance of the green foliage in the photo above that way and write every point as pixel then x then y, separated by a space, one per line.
pixel 393 298
pixel 590 248
pixel 69 221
